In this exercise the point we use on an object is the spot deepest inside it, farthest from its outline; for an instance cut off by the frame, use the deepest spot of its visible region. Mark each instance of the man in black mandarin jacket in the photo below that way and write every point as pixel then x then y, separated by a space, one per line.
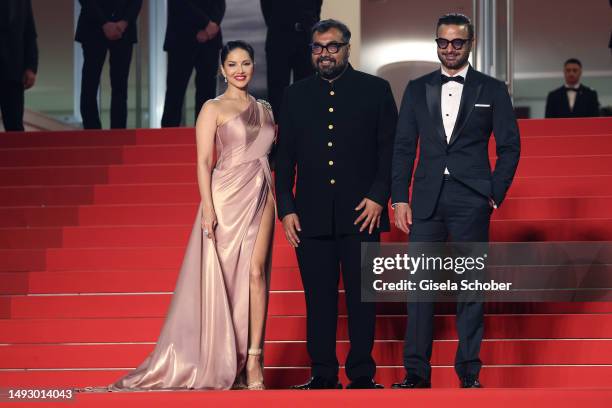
pixel 18 59
pixel 572 100
pixel 106 26
pixel 287 43
pixel 336 130
pixel 451 114
pixel 193 40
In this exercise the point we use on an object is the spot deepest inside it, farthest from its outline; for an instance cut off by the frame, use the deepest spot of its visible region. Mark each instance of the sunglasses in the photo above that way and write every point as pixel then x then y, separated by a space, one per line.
pixel 457 43
pixel 332 47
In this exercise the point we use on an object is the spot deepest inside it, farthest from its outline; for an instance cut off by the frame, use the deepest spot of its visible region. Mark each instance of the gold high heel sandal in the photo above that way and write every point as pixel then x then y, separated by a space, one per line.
pixel 257 385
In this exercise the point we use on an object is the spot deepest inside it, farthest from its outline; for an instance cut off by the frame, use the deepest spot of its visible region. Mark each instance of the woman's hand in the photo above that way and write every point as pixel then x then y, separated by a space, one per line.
pixel 209 222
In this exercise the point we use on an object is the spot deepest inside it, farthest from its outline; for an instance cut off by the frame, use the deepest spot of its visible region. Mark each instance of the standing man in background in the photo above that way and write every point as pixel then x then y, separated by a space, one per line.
pixel 106 26
pixel 572 100
pixel 451 113
pixel 193 39
pixel 288 43
pixel 18 59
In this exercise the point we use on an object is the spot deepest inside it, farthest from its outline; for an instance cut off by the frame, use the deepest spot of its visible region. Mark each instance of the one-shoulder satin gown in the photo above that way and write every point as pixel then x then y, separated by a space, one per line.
pixel 203 342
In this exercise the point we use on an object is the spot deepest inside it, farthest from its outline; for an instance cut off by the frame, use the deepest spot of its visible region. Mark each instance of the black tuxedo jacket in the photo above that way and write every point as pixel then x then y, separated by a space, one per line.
pixel 187 17
pixel 586 105
pixel 485 107
pixel 96 13
pixel 18 49
pixel 337 167
pixel 278 15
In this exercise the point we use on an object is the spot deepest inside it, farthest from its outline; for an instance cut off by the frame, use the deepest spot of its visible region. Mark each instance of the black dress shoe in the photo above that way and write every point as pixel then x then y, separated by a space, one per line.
pixel 470 382
pixel 412 381
pixel 318 383
pixel 364 383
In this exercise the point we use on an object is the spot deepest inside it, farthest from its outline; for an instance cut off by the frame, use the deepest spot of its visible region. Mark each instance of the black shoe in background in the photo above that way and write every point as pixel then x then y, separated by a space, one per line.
pixel 364 383
pixel 412 381
pixel 319 383
pixel 470 382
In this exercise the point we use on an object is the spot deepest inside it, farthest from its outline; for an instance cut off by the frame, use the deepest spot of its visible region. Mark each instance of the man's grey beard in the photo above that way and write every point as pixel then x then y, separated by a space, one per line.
pixel 333 70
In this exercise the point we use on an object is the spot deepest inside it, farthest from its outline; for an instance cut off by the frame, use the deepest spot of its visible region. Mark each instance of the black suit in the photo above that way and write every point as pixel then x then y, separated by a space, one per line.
pixel 18 53
pixel 185 19
pixel 456 209
pixel 288 43
pixel 336 168
pixel 585 106
pixel 89 32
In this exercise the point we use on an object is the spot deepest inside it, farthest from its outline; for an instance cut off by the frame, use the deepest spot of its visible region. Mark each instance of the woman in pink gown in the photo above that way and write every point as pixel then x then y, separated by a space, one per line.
pixel 213 334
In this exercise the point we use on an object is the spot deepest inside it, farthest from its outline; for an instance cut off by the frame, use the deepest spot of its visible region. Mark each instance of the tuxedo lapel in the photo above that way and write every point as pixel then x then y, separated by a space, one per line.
pixel 469 96
pixel 433 94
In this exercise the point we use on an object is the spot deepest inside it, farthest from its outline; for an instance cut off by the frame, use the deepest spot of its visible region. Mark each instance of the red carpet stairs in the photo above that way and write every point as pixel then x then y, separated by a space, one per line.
pixel 93 227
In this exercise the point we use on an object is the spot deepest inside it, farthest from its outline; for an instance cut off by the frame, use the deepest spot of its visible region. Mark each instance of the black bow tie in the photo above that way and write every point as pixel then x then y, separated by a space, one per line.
pixel 457 78
pixel 568 89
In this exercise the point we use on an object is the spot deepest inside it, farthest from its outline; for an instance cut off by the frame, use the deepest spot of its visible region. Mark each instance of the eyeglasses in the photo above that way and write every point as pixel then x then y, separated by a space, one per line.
pixel 457 43
pixel 332 47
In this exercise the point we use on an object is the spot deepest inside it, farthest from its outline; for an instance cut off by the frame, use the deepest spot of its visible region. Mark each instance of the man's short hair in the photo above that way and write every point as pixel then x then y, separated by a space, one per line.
pixel 324 26
pixel 456 19
pixel 573 61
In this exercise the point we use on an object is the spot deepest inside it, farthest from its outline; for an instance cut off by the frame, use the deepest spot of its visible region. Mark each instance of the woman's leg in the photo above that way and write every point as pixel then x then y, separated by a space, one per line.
pixel 258 290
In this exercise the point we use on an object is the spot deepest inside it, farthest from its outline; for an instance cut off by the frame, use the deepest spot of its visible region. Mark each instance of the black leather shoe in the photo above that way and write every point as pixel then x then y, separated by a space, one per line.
pixel 470 382
pixel 412 381
pixel 364 383
pixel 318 383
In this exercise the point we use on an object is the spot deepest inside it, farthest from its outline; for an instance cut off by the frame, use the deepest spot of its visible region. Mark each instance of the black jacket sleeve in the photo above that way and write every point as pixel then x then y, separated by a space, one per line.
pixel 190 12
pixel 285 162
pixel 30 44
pixel 387 121
pixel 549 106
pixel 594 105
pixel 508 143
pixel 266 10
pixel 404 150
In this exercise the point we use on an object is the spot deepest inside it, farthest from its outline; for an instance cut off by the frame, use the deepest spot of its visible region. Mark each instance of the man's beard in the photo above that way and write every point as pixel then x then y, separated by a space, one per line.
pixel 333 70
pixel 457 63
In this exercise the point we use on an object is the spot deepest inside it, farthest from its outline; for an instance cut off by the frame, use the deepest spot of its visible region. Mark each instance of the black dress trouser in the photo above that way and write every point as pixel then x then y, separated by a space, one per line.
pixel 11 105
pixel 94 54
pixel 320 260
pixel 287 51
pixel 461 215
pixel 181 63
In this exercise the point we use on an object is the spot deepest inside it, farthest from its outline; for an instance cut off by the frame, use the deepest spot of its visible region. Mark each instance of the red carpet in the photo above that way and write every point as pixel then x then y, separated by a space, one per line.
pixel 92 231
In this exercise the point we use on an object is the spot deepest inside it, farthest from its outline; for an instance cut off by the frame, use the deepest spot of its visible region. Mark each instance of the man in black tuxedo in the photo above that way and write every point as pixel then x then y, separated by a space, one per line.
pixel 288 43
pixel 193 40
pixel 452 112
pixel 18 59
pixel 106 26
pixel 573 100
pixel 336 129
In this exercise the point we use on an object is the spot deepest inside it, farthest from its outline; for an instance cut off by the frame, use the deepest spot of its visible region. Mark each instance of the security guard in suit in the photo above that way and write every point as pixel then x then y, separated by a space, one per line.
pixel 287 43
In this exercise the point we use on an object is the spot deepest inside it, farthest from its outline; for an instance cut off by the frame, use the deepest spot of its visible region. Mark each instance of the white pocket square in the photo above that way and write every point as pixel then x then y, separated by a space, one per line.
pixel 482 105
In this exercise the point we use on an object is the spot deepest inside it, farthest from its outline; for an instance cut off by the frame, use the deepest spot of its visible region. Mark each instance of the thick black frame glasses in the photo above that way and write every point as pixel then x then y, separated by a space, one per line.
pixel 457 43
pixel 332 48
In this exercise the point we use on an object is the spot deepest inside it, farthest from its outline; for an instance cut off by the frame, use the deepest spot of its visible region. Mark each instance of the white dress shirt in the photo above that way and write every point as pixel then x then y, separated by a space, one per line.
pixel 571 96
pixel 451 99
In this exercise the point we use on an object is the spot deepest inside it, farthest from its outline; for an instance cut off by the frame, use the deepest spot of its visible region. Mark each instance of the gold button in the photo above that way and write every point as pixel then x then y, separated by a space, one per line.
pixel 332 181
pixel 332 93
pixel 331 109
pixel 330 127
pixel 331 162
pixel 330 144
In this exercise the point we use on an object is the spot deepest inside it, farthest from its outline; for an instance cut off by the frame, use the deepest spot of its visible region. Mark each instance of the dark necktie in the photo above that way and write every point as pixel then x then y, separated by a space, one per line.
pixel 457 78
pixel 568 89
